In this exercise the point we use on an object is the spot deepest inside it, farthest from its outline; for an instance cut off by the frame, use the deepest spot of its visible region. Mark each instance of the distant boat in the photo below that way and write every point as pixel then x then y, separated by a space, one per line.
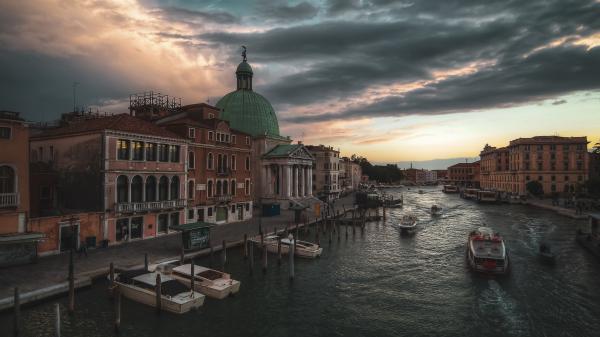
pixel 545 253
pixel 140 286
pixel 408 223
pixel 470 193
pixel 303 248
pixel 435 210
pixel 487 196
pixel 486 252
pixel 450 189
pixel 421 191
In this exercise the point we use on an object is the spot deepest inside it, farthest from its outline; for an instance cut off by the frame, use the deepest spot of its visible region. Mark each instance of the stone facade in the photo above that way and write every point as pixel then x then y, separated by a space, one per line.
pixel 350 174
pixel 465 174
pixel 558 163
pixel 325 182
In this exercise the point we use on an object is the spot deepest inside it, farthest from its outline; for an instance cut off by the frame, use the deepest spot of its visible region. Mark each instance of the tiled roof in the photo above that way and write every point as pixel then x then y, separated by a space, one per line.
pixel 123 122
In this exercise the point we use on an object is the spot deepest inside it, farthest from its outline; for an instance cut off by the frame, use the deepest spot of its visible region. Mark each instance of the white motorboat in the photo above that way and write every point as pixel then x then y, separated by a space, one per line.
pixel 140 286
pixel 470 193
pixel 408 223
pixel 486 252
pixel 487 196
pixel 210 282
pixel 435 210
pixel 303 248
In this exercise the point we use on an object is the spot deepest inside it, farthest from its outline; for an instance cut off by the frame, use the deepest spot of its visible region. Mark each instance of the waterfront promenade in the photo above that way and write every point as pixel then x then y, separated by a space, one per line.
pixel 49 275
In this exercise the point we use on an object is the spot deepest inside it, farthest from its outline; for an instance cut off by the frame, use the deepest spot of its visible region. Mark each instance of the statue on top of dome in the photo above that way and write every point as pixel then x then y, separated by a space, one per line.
pixel 244 53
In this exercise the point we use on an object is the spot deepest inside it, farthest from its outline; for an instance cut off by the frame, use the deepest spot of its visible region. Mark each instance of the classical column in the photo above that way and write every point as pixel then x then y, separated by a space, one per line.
pixel 307 189
pixel 288 181
pixel 297 177
pixel 294 181
pixel 310 181
pixel 269 181
pixel 263 178
pixel 301 181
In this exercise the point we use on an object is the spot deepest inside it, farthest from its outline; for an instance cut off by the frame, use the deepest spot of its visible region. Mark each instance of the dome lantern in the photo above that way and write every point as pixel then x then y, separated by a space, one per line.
pixel 244 73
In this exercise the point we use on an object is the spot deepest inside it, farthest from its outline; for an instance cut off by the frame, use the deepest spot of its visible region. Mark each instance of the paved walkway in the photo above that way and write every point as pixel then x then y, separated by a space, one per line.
pixel 53 270
pixel 547 204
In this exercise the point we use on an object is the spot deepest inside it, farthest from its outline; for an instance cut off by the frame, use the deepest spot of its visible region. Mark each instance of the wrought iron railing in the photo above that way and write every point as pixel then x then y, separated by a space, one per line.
pixel 150 205
pixel 9 199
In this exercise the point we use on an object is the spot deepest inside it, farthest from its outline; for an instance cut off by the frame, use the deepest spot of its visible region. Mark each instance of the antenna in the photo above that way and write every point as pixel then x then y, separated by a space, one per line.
pixel 75 95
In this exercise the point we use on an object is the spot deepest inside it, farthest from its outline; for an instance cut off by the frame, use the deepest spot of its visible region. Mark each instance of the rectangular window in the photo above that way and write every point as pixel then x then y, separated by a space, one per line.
pixel 51 152
pixel 123 149
pixel 247 140
pixel 232 208
pixel 137 227
pixel 150 151
pixel 138 151
pixel 566 165
pixel 233 139
pixel 211 116
pixel 163 152
pixel 163 223
pixel 122 229
pixel 247 186
pixel 5 132
pixel 233 187
pixel 247 207
pixel 190 214
pixel 210 135
pixel 233 162
pixel 227 138
pixel 210 211
pixel 247 163
pixel 191 133
pixel 174 153
pixel 566 178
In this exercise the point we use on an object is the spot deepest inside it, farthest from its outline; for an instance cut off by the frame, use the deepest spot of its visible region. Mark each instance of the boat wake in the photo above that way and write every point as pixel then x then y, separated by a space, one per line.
pixel 501 311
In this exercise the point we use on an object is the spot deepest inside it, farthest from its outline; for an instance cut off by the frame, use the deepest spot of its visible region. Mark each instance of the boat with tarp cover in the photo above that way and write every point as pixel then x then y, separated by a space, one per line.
pixel 486 252
pixel 140 285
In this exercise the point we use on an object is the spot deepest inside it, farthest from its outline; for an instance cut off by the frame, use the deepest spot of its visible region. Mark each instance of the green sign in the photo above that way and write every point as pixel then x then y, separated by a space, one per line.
pixel 199 238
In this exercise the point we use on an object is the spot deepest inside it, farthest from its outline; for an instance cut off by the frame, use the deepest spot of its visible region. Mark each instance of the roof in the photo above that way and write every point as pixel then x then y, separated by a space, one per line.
pixel 475 163
pixel 282 150
pixel 244 67
pixel 192 226
pixel 10 115
pixel 249 112
pixel 122 122
pixel 321 148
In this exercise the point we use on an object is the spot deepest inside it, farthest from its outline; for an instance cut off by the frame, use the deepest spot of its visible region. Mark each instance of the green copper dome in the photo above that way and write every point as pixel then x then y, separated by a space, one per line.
pixel 246 110
pixel 249 112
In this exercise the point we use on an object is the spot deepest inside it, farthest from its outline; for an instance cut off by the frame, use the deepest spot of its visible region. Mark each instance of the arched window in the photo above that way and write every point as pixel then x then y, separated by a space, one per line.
pixel 219 163
pixel 209 161
pixel 225 187
pixel 233 187
pixel 163 188
pixel 151 188
pixel 7 179
pixel 218 187
pixel 122 189
pixel 191 160
pixel 209 188
pixel 175 188
pixel 191 189
pixel 137 189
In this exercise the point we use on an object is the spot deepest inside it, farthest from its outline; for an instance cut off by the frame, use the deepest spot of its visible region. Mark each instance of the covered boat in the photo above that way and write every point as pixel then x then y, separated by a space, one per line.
pixel 487 196
pixel 486 252
pixel 470 193
pixel 303 248
pixel 450 189
pixel 436 210
pixel 140 286
pixel 210 282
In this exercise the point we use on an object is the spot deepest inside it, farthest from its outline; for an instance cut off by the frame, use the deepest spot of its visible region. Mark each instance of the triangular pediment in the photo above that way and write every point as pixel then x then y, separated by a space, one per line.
pixel 301 153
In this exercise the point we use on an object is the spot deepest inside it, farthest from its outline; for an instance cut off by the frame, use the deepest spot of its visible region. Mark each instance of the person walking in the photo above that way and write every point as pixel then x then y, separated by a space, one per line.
pixel 83 249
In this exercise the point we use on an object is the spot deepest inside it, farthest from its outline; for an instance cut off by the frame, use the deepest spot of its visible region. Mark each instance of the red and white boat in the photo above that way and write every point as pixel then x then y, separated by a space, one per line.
pixel 486 252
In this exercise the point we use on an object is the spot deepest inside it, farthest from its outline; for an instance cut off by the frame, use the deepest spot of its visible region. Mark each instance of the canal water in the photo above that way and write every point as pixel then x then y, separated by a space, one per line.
pixel 379 283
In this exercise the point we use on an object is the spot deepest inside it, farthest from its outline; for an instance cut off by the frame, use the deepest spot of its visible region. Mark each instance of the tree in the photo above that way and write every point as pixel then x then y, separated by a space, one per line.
pixel 596 148
pixel 535 187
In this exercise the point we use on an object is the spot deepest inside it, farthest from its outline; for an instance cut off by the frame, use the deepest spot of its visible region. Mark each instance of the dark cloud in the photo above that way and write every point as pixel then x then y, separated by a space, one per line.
pixel 559 102
pixel 280 11
pixel 192 16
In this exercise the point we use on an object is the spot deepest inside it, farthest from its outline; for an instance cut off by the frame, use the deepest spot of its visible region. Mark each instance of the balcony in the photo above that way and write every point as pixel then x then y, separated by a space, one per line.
pixel 9 200
pixel 146 206
pixel 223 198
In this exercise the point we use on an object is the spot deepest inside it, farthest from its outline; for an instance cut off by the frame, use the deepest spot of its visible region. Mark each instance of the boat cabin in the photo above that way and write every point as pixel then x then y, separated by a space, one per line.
pixel 450 189
pixel 487 196
pixel 470 193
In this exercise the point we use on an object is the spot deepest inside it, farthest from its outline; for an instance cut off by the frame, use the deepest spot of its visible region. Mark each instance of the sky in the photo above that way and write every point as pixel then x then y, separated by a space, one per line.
pixel 389 80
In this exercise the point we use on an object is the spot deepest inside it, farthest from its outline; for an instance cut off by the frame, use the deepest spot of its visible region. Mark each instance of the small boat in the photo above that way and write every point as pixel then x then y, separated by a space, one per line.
pixel 408 223
pixel 487 196
pixel 450 189
pixel 210 282
pixel 545 253
pixel 435 210
pixel 303 248
pixel 486 252
pixel 421 191
pixel 470 193
pixel 140 286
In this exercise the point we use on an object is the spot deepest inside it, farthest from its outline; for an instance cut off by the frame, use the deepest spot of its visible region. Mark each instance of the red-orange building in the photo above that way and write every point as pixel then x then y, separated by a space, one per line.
pixel 464 174
pixel 130 171
pixel 219 165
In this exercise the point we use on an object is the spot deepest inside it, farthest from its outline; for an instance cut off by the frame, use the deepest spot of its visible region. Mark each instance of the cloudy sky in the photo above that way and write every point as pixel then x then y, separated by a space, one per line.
pixel 391 80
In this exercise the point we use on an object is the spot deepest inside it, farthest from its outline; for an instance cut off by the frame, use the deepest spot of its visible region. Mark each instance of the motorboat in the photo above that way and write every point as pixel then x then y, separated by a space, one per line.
pixel 545 253
pixel 450 189
pixel 421 191
pixel 407 223
pixel 302 248
pixel 470 193
pixel 140 285
pixel 486 252
pixel 436 210
pixel 210 282
pixel 487 196
pixel 390 202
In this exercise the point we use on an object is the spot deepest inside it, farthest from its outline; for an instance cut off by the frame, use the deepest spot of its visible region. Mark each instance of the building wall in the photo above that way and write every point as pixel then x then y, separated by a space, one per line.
pixel 465 174
pixel 325 171
pixel 90 224
pixel 14 154
pixel 558 163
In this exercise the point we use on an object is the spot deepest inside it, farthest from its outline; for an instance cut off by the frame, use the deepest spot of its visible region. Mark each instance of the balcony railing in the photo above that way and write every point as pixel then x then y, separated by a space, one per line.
pixel 9 199
pixel 223 198
pixel 150 205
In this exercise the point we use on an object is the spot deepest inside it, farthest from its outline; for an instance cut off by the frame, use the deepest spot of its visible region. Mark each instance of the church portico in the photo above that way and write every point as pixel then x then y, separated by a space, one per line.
pixel 286 178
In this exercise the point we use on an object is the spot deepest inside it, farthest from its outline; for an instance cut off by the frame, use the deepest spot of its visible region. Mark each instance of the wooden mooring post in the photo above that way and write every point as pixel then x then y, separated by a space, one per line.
pixel 211 255
pixel 182 257
pixel 251 252
pixel 111 278
pixel 17 307
pixel 291 253
pixel 264 258
pixel 223 254
pixel 71 283
pixel 57 320
pixel 193 276
pixel 279 251
pixel 245 250
pixel 158 292
pixel 146 262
